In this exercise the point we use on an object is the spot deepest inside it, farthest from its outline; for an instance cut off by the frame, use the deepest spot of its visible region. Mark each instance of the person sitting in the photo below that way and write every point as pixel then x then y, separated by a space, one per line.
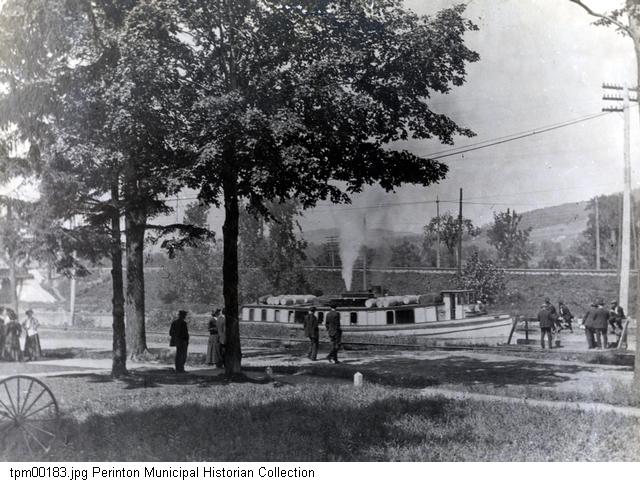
pixel 565 313
pixel 616 315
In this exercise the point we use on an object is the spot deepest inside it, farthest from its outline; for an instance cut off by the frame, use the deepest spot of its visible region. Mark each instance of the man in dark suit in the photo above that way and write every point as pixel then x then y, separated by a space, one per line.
pixel 311 331
pixel 600 324
pixel 547 319
pixel 180 339
pixel 587 321
pixel 332 322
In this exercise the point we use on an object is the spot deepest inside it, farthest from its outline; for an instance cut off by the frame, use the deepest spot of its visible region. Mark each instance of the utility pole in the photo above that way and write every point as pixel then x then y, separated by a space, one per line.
pixel 438 232
pixel 72 290
pixel 364 255
pixel 597 236
pixel 625 252
pixel 460 236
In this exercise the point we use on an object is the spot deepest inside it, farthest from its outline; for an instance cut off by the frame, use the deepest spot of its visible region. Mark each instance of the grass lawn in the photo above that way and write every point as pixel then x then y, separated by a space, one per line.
pixel 157 416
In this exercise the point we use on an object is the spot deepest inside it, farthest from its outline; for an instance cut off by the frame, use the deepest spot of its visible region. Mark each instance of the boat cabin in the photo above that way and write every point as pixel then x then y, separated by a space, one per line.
pixel 358 309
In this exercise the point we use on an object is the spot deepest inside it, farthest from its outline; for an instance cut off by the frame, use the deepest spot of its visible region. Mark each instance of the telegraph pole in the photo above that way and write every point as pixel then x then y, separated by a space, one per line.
pixel 625 252
pixel 438 232
pixel 364 254
pixel 460 236
pixel 597 236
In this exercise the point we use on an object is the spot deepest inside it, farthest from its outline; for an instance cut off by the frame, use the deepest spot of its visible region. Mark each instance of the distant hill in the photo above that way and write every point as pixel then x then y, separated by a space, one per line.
pixel 562 223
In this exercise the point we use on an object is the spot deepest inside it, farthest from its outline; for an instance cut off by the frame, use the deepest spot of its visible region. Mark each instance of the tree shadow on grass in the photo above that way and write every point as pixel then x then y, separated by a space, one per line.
pixel 426 372
pixel 152 378
pixel 291 429
pixel 417 372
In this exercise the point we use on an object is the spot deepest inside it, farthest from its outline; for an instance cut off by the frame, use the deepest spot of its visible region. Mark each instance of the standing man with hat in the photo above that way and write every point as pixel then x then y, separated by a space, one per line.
pixel 547 319
pixel 600 324
pixel 311 331
pixel 587 321
pixel 179 333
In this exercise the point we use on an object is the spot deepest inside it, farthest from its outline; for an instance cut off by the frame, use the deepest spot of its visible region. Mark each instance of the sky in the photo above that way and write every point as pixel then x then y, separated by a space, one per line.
pixel 542 63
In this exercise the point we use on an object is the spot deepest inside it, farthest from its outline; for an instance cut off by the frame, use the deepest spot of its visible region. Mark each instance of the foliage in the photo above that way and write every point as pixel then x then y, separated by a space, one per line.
pixel 193 273
pixel 450 232
pixel 610 218
pixel 551 255
pixel 405 254
pixel 272 254
pixel 288 113
pixel 511 242
pixel 482 276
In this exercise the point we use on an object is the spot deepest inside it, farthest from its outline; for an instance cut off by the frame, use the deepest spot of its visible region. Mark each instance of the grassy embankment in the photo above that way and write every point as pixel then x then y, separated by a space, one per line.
pixel 161 417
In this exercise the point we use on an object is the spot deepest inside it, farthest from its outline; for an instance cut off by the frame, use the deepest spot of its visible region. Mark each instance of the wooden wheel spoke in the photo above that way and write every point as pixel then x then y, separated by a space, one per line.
pixel 8 414
pixel 34 401
pixel 50 403
pixel 13 406
pixel 24 403
pixel 26 440
pixel 25 430
pixel 18 393
pixel 5 427
pixel 31 425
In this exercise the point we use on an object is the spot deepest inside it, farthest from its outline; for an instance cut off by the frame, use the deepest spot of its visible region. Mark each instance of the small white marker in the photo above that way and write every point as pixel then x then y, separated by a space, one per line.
pixel 357 379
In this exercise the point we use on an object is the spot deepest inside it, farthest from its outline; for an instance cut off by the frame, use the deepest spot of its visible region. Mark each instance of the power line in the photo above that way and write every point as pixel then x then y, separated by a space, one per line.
pixel 509 138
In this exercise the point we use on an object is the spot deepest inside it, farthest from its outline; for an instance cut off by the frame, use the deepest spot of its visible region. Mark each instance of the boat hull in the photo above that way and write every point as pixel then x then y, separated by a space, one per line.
pixel 469 330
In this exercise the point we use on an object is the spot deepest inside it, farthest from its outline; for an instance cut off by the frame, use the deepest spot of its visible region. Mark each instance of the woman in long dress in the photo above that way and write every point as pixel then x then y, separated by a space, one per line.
pixel 214 355
pixel 13 330
pixel 32 350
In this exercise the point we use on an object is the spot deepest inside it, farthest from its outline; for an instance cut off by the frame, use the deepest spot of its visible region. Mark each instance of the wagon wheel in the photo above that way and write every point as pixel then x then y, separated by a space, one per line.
pixel 29 417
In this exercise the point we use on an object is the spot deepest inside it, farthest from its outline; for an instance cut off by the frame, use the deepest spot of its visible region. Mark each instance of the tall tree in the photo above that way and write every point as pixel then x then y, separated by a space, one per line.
pixel 94 91
pixel 510 241
pixel 295 96
pixel 449 228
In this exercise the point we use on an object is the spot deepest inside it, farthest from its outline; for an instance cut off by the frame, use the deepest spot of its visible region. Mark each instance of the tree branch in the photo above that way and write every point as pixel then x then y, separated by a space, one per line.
pixel 604 17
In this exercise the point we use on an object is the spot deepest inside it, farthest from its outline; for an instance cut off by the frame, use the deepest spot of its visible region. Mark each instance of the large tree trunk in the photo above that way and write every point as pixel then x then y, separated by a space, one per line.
pixel 135 305
pixel 119 364
pixel 233 353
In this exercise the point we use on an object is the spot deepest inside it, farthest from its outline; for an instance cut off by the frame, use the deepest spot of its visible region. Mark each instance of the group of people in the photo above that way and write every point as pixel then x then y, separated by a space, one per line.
pixel 596 322
pixel 179 338
pixel 10 332
pixel 311 330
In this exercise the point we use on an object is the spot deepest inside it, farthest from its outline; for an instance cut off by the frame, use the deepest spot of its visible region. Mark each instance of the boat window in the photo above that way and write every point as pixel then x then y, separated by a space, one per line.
pixel 320 316
pixel 290 319
pixel 251 314
pixel 353 318
pixel 263 315
pixel 390 319
pixel 299 317
pixel 276 316
pixel 405 316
